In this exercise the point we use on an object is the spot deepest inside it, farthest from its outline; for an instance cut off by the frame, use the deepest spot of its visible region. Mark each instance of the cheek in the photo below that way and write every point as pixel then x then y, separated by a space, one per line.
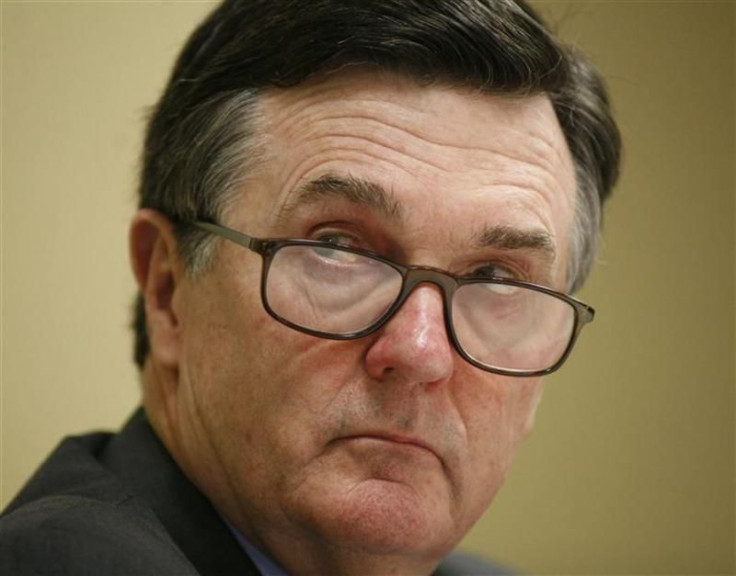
pixel 496 413
pixel 500 407
pixel 265 389
pixel 489 431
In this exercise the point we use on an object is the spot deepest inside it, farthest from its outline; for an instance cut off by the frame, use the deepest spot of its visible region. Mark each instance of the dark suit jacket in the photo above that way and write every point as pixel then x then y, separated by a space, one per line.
pixel 118 505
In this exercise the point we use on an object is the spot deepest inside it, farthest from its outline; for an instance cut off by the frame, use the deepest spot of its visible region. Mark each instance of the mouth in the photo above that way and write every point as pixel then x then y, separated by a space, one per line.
pixel 400 441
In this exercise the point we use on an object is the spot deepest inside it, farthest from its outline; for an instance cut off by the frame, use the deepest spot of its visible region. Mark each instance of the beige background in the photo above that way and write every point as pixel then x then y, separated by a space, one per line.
pixel 631 467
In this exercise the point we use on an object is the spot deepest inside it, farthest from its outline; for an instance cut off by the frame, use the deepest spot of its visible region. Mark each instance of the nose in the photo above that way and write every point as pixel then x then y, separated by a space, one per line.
pixel 413 347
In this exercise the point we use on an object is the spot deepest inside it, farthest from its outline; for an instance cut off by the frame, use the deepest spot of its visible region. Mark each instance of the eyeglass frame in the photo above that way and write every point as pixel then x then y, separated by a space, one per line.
pixel 411 277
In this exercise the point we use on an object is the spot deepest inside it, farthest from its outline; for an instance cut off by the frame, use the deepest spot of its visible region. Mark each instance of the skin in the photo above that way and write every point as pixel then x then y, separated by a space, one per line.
pixel 373 455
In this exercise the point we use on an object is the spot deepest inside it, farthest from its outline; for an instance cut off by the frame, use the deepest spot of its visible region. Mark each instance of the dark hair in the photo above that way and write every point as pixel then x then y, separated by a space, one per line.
pixel 200 140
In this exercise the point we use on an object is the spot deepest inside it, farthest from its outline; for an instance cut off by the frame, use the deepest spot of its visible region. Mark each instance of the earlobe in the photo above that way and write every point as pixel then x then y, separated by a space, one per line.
pixel 153 253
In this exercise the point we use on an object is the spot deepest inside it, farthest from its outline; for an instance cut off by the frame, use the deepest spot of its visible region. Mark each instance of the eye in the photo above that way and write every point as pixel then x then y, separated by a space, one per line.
pixel 337 239
pixel 497 271
pixel 336 254
pixel 493 271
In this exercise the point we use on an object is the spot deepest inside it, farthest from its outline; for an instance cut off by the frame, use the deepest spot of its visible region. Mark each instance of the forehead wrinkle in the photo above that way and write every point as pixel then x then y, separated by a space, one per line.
pixel 392 134
pixel 527 164
pixel 355 190
pixel 389 133
pixel 535 161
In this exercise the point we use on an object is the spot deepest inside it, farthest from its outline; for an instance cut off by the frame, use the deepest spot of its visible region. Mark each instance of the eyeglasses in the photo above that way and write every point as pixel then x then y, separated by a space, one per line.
pixel 331 291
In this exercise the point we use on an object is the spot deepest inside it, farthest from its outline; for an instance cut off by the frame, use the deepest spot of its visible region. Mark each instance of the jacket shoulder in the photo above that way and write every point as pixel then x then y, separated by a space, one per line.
pixel 76 535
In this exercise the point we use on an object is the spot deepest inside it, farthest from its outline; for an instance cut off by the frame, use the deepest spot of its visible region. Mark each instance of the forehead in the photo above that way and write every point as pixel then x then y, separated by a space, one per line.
pixel 456 158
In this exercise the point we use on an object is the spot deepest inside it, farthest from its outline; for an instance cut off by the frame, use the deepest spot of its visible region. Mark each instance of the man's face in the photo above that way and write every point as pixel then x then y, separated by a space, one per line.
pixel 391 444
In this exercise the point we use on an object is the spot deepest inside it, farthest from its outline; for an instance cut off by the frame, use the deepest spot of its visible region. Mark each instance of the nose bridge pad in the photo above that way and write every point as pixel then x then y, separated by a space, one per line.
pixel 446 284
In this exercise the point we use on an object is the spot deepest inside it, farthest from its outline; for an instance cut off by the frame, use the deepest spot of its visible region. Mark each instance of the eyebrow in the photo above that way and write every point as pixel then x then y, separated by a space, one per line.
pixel 354 190
pixel 374 196
pixel 510 238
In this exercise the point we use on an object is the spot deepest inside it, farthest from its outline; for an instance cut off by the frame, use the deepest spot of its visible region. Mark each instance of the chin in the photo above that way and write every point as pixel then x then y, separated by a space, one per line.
pixel 385 518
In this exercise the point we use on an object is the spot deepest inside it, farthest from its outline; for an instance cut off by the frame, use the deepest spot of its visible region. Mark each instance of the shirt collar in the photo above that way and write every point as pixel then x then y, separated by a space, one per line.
pixel 266 565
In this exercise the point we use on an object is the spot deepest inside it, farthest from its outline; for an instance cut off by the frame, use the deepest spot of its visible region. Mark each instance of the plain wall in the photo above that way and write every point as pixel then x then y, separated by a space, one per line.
pixel 630 469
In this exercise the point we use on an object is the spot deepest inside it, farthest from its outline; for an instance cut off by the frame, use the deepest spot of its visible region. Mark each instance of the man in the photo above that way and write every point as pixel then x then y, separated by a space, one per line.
pixel 359 225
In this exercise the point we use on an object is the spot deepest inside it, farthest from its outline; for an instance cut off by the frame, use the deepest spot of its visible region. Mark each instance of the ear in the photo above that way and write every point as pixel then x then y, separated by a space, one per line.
pixel 158 271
